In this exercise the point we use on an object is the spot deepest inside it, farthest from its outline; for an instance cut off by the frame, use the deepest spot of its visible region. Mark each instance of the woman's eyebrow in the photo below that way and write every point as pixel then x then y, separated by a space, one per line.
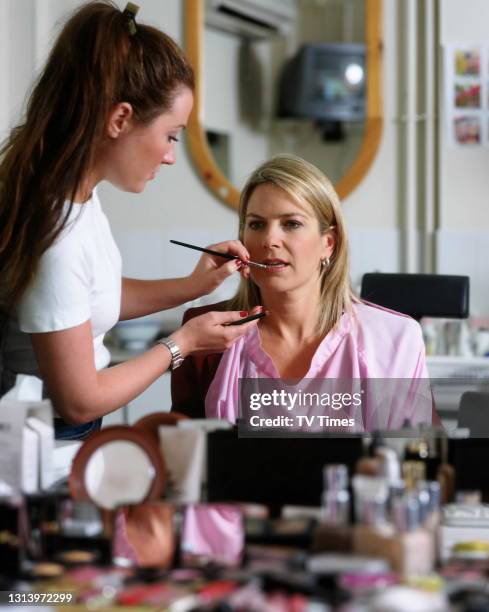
pixel 294 214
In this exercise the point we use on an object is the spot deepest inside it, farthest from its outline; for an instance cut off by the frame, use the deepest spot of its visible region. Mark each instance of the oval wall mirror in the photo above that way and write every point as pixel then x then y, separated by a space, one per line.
pixel 273 76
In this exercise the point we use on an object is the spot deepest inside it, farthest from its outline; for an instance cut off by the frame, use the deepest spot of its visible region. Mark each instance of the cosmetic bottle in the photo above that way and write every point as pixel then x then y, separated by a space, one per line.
pixel 431 512
pixel 423 496
pixel 396 490
pixel 445 474
pixel 369 465
pixel 367 489
pixel 412 550
pixel 372 533
pixel 381 461
pixel 428 450
pixel 416 450
pixel 400 538
pixel 334 533
pixel 389 466
pixel 429 493
pixel 412 473
pixel 335 497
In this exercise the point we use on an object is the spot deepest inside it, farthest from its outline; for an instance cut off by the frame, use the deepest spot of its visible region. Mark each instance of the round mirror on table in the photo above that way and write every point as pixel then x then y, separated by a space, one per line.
pixel 274 76
pixel 118 466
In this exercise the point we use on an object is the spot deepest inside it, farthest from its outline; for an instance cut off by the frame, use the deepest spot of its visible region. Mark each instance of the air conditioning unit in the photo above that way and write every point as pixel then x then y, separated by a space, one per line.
pixel 252 18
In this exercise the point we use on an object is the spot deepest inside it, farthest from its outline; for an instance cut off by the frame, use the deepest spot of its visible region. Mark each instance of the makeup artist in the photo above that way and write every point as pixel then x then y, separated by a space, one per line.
pixel 108 105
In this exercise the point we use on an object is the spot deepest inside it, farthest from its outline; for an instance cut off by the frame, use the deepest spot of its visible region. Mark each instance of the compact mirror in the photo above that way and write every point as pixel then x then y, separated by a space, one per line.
pixel 118 466
pixel 145 535
pixel 118 473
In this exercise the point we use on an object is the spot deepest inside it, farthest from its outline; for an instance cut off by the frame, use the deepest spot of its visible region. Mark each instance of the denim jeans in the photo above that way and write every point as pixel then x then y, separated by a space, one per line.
pixel 65 431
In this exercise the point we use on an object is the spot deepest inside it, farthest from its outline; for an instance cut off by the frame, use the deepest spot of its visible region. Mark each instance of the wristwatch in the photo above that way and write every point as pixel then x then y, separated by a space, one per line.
pixel 176 355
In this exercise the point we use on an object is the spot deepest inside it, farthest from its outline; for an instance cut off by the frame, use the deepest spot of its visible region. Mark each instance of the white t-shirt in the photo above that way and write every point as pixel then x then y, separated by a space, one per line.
pixel 78 279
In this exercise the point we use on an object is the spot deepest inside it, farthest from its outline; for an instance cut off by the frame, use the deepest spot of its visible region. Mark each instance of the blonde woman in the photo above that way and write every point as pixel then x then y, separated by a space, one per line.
pixel 290 219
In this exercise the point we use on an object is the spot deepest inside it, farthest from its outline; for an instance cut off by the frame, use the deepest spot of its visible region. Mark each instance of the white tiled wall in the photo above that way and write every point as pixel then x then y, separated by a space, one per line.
pixel 372 250
pixel 466 252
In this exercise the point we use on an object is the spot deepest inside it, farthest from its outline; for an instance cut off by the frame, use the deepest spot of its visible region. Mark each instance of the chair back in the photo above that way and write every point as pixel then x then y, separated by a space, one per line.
pixel 473 413
pixel 419 295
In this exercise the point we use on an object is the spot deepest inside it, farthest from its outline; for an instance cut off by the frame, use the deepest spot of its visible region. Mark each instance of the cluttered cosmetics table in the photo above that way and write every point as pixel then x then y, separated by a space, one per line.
pixel 134 538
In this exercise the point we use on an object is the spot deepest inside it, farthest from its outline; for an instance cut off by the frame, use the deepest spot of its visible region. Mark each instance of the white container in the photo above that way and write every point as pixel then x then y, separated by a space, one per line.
pixel 136 335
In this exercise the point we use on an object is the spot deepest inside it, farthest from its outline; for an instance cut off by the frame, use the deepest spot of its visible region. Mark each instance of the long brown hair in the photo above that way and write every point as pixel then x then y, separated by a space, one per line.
pixel 305 183
pixel 98 60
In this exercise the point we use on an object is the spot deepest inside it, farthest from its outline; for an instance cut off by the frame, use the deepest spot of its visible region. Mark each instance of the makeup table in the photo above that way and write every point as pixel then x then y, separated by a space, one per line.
pixel 273 575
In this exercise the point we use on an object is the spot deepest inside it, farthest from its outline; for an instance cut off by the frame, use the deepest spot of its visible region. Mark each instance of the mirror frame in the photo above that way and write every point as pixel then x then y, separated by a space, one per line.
pixel 198 145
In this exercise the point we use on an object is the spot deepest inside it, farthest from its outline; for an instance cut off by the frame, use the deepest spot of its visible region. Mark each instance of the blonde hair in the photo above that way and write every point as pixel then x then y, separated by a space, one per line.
pixel 305 183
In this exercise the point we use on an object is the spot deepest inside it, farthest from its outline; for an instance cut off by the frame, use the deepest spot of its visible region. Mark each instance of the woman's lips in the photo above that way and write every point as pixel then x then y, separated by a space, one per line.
pixel 275 265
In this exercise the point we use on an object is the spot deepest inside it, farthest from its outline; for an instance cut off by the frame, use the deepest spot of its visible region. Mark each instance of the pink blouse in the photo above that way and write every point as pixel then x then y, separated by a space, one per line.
pixel 370 343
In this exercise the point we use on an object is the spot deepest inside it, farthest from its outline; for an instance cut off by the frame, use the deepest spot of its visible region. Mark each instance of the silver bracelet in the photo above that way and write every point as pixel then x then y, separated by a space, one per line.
pixel 176 355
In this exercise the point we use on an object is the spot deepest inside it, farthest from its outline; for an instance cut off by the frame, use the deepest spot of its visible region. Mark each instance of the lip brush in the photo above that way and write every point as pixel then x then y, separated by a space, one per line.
pixel 219 254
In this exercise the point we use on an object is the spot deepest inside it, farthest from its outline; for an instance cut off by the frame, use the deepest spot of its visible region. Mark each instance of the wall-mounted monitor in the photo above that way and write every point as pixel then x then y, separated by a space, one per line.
pixel 324 82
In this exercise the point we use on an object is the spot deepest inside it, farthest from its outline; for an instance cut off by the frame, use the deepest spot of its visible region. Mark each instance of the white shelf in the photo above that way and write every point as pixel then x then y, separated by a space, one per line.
pixel 464 368
pixel 451 376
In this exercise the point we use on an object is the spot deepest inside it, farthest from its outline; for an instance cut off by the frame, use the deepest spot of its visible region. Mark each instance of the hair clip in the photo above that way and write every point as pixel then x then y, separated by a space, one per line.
pixel 130 12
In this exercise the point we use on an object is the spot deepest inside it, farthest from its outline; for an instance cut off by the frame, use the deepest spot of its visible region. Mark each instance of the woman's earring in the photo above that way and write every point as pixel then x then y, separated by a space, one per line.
pixel 325 262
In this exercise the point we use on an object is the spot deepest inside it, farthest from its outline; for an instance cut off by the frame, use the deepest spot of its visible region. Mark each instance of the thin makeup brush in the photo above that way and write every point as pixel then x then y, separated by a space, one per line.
pixel 219 254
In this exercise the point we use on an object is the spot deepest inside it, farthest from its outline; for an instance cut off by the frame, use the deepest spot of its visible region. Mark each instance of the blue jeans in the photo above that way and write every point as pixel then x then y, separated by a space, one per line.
pixel 65 431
